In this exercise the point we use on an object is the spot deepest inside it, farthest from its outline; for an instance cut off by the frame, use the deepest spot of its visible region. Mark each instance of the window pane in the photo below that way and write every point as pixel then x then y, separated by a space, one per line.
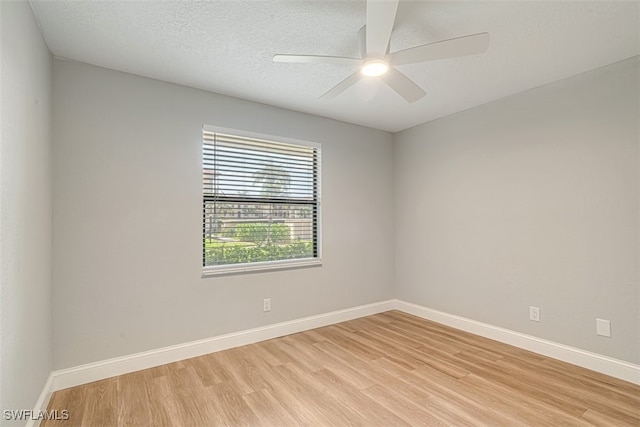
pixel 256 232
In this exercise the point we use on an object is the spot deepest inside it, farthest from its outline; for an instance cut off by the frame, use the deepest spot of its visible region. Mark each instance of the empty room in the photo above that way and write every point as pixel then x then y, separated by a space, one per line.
pixel 321 213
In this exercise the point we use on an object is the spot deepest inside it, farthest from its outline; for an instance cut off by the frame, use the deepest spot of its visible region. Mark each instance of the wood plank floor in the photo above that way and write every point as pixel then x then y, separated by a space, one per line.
pixel 390 369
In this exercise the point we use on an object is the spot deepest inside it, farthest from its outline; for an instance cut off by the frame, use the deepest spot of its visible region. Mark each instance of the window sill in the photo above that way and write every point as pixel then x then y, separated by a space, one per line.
pixel 259 267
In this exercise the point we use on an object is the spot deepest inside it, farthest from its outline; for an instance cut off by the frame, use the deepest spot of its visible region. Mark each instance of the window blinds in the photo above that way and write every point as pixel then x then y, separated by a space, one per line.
pixel 260 200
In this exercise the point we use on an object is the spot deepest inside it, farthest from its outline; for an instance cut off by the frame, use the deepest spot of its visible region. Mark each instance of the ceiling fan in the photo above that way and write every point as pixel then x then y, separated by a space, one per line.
pixel 376 60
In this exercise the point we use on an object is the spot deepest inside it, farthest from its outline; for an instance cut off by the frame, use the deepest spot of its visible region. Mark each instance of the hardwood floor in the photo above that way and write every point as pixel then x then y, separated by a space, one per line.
pixel 390 369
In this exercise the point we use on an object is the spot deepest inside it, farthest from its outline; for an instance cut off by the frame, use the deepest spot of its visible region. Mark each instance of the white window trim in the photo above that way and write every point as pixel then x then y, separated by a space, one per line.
pixel 287 264
pixel 257 267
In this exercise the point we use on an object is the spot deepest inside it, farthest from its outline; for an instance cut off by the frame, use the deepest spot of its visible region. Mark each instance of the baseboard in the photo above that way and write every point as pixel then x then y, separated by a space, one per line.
pixel 84 374
pixel 43 401
pixel 596 362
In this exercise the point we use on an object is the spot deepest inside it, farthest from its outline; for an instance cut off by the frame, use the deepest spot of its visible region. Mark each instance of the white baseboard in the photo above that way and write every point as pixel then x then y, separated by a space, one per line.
pixel 90 372
pixel 43 401
pixel 596 362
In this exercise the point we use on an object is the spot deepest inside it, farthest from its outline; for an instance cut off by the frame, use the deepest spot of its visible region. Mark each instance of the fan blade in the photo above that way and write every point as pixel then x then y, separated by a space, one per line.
pixel 342 86
pixel 316 59
pixel 401 84
pixel 380 18
pixel 461 46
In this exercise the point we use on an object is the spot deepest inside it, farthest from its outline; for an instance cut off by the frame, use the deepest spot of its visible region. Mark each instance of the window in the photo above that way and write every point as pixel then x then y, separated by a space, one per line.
pixel 261 202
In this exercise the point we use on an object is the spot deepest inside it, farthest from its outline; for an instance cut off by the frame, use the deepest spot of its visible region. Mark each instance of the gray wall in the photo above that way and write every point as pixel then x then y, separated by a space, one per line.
pixel 127 217
pixel 530 200
pixel 25 208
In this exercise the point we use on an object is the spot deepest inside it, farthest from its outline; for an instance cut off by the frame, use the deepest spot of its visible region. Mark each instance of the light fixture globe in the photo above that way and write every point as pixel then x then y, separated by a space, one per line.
pixel 374 67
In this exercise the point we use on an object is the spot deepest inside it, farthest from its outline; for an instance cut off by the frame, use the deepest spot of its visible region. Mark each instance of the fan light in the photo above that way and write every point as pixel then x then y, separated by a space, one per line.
pixel 374 68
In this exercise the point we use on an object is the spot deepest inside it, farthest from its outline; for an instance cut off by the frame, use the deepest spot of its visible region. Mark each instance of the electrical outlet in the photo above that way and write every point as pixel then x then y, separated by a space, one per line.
pixel 534 313
pixel 266 304
pixel 603 327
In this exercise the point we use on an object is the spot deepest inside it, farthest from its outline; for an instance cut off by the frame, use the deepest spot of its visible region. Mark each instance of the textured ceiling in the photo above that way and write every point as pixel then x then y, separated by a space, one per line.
pixel 227 46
